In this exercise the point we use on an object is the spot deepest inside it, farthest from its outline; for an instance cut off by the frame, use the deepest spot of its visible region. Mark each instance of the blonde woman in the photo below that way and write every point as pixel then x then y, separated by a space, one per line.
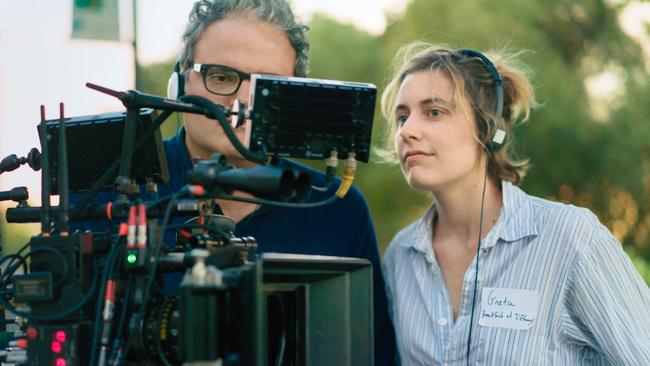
pixel 489 274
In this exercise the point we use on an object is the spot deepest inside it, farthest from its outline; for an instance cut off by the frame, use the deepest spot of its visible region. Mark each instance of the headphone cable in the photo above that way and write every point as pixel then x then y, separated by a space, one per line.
pixel 478 252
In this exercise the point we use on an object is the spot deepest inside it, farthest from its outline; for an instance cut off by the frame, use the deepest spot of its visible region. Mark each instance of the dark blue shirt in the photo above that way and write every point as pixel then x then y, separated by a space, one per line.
pixel 342 228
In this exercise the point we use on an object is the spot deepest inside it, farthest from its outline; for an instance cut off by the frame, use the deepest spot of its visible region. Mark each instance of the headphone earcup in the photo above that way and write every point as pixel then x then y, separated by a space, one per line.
pixel 176 83
pixel 497 141
pixel 172 86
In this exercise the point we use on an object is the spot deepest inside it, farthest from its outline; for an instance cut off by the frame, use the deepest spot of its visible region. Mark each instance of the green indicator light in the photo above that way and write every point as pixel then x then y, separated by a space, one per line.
pixel 131 258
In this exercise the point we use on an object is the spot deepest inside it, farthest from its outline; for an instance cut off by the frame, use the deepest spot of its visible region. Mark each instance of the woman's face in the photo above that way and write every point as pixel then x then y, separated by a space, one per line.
pixel 435 140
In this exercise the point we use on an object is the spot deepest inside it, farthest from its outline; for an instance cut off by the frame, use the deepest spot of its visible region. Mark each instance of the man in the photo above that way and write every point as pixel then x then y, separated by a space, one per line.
pixel 230 39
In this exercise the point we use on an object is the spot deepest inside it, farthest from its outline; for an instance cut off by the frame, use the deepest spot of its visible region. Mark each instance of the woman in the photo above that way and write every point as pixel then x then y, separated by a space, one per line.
pixel 490 275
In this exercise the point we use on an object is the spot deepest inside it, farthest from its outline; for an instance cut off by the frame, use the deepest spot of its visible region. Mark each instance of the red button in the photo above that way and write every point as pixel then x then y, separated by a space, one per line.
pixel 60 336
pixel 31 333
pixel 56 347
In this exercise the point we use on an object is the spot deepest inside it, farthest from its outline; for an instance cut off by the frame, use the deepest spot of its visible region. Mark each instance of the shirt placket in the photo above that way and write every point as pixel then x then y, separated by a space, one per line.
pixel 441 311
pixel 443 322
pixel 456 348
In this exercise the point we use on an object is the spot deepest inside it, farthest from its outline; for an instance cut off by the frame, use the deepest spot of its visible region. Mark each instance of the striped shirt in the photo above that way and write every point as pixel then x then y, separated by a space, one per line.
pixel 587 303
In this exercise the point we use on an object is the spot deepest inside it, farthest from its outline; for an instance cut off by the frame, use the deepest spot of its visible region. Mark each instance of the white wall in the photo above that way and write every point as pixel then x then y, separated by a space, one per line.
pixel 41 64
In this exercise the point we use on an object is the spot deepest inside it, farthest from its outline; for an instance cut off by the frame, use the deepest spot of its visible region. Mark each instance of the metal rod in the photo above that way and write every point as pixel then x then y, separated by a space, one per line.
pixel 63 175
pixel 45 177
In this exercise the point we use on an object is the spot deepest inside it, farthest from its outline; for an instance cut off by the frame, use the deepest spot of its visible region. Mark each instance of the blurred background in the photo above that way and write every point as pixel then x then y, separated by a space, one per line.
pixel 588 142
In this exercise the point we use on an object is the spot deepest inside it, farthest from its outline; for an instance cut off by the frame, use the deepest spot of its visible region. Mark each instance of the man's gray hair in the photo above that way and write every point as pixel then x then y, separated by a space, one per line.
pixel 276 12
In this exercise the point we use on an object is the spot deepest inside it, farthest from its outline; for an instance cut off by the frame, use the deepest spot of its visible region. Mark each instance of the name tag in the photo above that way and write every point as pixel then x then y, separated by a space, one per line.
pixel 508 308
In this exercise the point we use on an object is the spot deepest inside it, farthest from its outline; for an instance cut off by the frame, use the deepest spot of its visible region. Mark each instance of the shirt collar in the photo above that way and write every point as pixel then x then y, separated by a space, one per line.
pixel 420 235
pixel 516 221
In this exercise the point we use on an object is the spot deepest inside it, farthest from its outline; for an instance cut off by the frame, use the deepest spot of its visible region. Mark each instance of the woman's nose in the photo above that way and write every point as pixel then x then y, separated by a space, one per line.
pixel 410 129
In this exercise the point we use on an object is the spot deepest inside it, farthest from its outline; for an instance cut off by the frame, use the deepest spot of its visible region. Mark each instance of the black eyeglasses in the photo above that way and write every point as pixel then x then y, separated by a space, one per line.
pixel 220 79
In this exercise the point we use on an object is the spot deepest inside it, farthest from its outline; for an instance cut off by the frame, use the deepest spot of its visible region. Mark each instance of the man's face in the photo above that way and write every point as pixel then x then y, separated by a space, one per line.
pixel 244 43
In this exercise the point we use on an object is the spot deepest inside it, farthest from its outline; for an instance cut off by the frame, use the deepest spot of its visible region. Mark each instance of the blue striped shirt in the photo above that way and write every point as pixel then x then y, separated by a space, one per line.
pixel 593 308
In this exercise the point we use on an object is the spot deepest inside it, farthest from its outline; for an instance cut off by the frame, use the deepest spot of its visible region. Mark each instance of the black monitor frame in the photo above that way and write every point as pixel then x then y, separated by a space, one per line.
pixel 94 142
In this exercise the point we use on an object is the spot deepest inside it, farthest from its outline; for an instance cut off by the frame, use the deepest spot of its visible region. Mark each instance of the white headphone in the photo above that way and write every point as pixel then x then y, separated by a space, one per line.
pixel 176 83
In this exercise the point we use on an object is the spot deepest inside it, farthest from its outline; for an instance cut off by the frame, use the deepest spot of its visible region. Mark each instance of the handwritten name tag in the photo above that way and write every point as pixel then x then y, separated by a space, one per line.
pixel 508 308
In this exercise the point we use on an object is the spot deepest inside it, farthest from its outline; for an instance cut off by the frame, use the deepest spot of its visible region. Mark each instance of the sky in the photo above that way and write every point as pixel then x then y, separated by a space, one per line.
pixel 159 43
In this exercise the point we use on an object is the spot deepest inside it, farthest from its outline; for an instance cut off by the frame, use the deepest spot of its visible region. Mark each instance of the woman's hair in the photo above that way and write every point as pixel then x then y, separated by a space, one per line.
pixel 471 79
pixel 276 12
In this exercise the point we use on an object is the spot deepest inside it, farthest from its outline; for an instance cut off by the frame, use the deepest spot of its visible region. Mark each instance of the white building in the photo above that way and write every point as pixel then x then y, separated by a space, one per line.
pixel 44 60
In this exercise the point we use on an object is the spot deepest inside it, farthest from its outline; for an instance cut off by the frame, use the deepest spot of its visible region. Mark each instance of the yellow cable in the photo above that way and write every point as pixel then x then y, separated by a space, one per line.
pixel 348 175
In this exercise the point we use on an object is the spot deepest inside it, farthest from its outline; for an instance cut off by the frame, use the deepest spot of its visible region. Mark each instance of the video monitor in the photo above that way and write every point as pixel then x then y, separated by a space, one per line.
pixel 308 118
pixel 94 142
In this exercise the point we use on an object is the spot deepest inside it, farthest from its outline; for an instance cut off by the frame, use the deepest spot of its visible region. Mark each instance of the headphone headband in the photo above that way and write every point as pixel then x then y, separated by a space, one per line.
pixel 499 135
pixel 498 82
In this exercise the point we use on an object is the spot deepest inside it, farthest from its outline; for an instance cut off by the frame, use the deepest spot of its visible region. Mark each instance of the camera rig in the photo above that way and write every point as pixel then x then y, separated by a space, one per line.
pixel 81 298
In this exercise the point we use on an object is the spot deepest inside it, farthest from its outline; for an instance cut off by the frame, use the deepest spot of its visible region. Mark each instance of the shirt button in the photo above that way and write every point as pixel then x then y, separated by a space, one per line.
pixel 442 322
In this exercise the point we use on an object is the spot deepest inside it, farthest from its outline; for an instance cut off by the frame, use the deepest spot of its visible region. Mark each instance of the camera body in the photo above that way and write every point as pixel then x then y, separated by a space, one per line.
pixel 90 300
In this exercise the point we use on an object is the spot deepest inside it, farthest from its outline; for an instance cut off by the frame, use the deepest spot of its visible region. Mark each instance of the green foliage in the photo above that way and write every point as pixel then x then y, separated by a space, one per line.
pixel 642 265
pixel 341 51
pixel 14 236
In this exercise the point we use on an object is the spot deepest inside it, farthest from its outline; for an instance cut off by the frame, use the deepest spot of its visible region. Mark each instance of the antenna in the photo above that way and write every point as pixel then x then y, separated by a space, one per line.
pixel 45 177
pixel 63 175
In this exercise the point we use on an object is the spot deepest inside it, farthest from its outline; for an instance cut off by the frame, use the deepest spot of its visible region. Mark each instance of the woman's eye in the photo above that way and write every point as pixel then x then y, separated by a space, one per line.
pixel 401 119
pixel 434 112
